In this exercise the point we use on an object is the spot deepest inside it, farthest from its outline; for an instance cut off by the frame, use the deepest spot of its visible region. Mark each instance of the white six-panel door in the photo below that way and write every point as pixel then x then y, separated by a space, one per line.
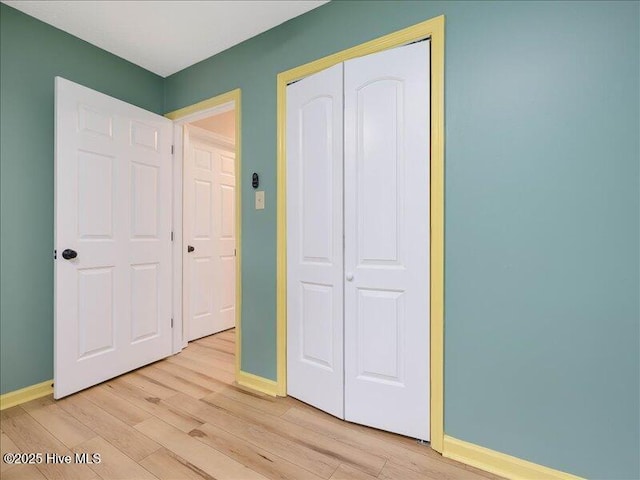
pixel 209 282
pixel 382 375
pixel 314 241
pixel 386 217
pixel 113 210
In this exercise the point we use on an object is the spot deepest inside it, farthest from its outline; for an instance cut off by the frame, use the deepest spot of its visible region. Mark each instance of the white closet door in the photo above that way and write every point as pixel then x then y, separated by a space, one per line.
pixel 387 240
pixel 314 241
pixel 209 235
pixel 112 236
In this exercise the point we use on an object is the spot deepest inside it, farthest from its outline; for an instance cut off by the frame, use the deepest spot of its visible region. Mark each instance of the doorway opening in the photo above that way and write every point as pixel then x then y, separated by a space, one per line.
pixel 207 288
pixel 208 211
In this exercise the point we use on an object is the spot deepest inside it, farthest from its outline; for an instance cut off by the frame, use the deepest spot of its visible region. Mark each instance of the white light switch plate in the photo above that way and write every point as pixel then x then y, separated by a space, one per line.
pixel 260 200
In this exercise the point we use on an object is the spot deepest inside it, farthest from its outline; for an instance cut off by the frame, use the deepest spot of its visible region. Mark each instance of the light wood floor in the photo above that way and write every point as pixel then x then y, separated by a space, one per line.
pixel 183 418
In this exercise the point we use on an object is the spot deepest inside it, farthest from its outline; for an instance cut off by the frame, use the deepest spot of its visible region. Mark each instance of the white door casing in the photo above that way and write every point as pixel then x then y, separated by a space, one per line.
pixel 314 240
pixel 209 228
pixel 112 207
pixel 386 217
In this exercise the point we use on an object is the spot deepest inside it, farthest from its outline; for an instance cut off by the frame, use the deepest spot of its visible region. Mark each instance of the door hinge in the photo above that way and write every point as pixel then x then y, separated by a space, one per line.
pixel 172 236
pixel 172 322
pixel 235 252
pixel 172 149
pixel 55 254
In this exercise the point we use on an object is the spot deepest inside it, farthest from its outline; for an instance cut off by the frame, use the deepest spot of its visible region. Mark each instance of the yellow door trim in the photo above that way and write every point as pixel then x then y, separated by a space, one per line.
pixel 500 463
pixel 254 382
pixel 234 96
pixel 231 96
pixel 433 29
pixel 26 394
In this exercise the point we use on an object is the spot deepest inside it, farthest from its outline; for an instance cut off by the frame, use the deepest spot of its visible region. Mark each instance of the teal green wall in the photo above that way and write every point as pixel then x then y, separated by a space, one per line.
pixel 31 55
pixel 542 214
pixel 542 319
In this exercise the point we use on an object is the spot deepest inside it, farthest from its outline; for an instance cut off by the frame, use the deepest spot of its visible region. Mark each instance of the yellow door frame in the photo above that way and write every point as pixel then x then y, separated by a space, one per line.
pixel 213 102
pixel 434 30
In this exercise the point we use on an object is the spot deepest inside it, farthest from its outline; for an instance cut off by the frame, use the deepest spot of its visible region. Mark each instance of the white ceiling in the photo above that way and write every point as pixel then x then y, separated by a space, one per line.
pixel 164 36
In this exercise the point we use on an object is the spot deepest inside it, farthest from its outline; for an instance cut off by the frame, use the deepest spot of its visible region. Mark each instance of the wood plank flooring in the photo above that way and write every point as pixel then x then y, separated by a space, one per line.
pixel 184 418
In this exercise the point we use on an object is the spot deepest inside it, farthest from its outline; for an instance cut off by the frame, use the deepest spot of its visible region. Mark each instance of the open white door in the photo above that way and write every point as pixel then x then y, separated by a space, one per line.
pixel 314 241
pixel 209 287
pixel 386 217
pixel 112 237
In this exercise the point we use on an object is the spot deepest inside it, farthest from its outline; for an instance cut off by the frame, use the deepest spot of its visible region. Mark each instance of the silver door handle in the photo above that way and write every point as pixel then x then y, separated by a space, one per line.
pixel 349 277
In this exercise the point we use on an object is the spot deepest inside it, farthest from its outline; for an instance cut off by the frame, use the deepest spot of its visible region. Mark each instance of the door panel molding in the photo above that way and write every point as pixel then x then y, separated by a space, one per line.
pixel 434 30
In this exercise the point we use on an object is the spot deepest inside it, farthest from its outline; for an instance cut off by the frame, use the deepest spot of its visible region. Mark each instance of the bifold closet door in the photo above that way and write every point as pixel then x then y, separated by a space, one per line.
pixel 386 218
pixel 372 365
pixel 315 369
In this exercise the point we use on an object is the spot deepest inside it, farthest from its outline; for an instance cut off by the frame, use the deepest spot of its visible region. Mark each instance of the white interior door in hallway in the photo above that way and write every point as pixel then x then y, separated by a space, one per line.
pixel 358 240
pixel 209 281
pixel 113 272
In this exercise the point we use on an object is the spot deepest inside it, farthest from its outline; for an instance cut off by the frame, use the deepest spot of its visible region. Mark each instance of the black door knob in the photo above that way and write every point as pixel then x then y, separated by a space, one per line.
pixel 189 249
pixel 68 254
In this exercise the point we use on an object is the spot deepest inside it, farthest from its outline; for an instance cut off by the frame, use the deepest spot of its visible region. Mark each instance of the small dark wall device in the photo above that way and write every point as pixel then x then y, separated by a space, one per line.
pixel 255 180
